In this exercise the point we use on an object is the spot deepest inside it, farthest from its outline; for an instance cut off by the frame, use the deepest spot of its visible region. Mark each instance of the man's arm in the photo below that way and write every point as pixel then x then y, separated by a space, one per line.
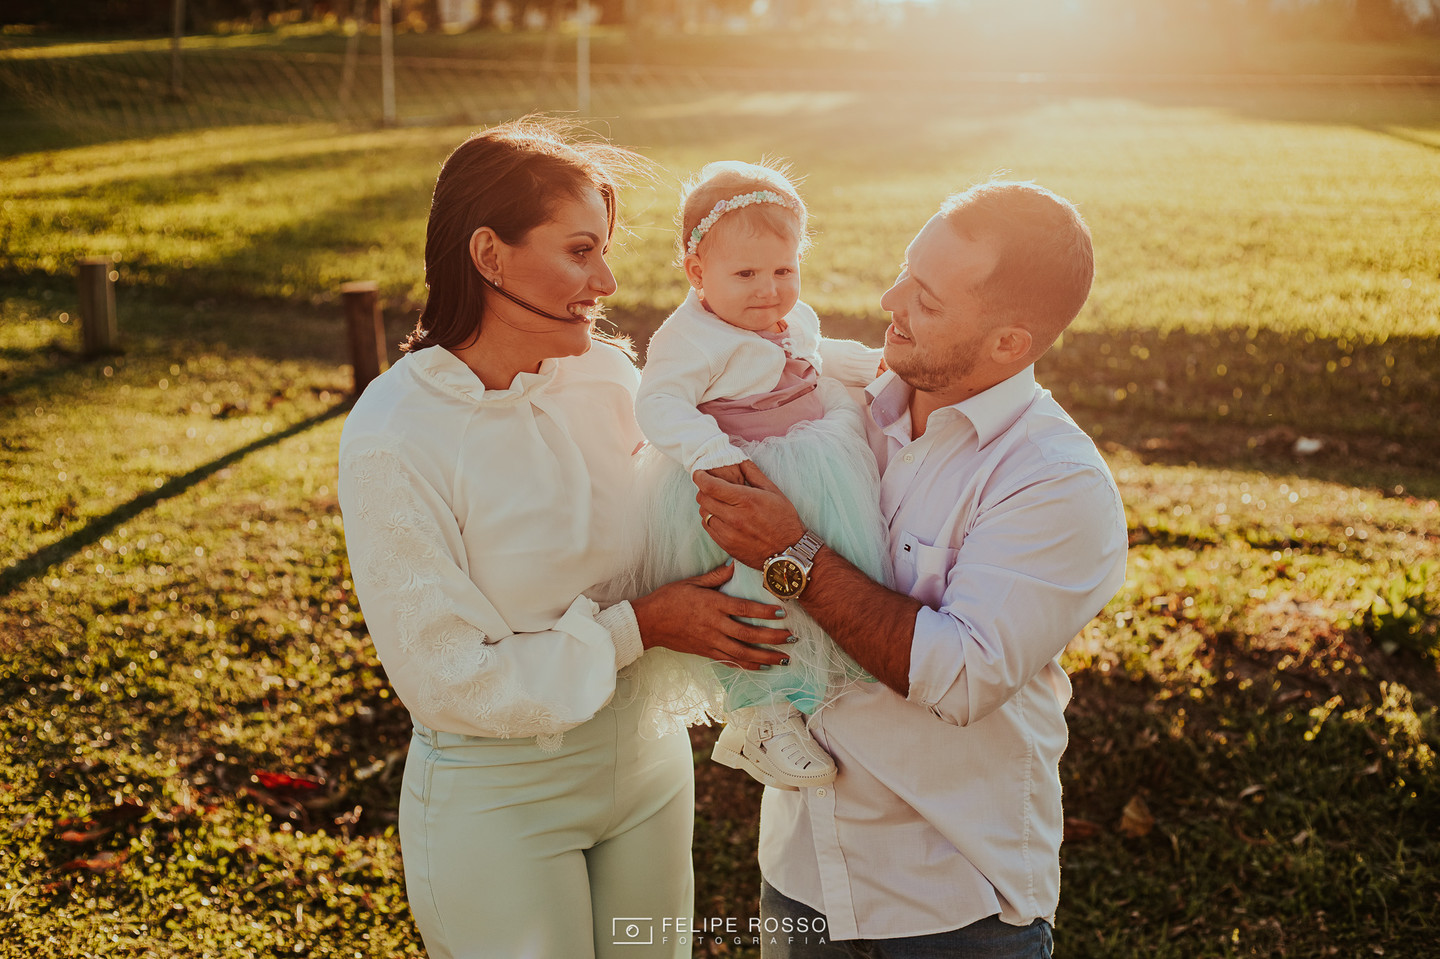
pixel 1043 561
pixel 872 623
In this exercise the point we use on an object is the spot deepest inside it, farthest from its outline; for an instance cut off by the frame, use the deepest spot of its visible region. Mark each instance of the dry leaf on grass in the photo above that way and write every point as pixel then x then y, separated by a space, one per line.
pixel 277 781
pixel 100 862
pixel 1135 819
pixel 101 822
pixel 1078 830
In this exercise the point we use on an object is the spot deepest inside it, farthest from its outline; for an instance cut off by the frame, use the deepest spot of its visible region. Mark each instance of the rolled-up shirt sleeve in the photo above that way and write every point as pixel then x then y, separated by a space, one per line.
pixel 451 657
pixel 1030 572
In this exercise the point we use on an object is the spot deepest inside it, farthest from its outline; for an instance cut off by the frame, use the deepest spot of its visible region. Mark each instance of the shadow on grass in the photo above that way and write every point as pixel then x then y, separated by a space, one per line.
pixel 1228 399
pixel 1294 793
pixel 1283 792
pixel 1243 399
pixel 61 550
pixel 1401 135
pixel 165 323
pixel 238 257
pixel 1308 797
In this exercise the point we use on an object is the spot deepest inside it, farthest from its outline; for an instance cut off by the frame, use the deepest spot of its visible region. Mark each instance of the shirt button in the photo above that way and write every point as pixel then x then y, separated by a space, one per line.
pixel 909 457
pixel 820 792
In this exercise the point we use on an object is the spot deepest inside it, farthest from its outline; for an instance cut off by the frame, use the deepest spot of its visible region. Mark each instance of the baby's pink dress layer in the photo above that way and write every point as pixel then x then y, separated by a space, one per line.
pixel 761 415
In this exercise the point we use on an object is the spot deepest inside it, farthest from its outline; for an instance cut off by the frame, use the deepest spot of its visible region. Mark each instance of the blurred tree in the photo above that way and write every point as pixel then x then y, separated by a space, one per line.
pixel 1382 20
pixel 1379 20
pixel 609 11
pixel 484 15
pixel 88 14
pixel 427 11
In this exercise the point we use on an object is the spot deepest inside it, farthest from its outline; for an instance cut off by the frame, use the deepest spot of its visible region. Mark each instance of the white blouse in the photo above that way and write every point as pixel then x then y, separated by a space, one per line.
pixel 695 357
pixel 476 522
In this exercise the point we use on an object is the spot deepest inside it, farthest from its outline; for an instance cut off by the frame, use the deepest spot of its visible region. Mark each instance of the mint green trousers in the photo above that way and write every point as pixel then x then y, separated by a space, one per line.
pixel 512 853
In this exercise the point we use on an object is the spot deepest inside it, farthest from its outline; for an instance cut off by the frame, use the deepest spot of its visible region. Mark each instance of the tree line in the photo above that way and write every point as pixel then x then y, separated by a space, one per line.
pixel 1359 19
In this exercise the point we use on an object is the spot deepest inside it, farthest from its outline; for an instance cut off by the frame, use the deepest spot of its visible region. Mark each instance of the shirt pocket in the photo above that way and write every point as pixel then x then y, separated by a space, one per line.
pixel 922 570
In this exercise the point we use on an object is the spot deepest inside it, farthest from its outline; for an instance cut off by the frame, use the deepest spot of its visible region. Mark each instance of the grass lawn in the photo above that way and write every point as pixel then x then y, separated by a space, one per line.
pixel 203 758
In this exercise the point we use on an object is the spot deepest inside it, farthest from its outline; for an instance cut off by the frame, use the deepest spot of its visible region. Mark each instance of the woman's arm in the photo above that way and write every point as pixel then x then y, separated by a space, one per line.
pixel 693 616
pixel 451 656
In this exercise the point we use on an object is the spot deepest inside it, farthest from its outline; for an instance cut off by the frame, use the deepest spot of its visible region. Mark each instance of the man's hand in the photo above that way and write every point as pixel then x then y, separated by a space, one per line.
pixel 874 624
pixel 693 616
pixel 730 474
pixel 751 522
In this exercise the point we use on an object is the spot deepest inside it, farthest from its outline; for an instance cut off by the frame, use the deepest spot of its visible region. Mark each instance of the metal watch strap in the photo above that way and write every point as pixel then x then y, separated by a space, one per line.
pixel 806 548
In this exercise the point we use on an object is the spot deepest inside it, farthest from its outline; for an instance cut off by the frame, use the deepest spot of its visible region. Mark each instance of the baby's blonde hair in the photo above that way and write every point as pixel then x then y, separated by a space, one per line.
pixel 724 179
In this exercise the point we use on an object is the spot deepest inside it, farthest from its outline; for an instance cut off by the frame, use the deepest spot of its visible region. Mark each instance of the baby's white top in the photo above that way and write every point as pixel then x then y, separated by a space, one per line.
pixel 696 357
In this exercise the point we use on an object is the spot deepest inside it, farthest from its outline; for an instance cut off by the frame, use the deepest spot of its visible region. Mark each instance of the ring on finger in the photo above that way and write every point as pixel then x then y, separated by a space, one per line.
pixel 705 520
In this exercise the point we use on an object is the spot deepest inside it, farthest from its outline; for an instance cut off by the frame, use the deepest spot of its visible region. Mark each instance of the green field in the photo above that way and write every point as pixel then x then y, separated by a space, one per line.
pixel 1252 767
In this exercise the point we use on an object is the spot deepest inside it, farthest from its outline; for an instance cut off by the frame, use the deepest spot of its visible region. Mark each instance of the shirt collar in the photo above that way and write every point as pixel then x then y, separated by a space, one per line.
pixel 991 412
pixel 889 399
pixel 996 410
pixel 449 373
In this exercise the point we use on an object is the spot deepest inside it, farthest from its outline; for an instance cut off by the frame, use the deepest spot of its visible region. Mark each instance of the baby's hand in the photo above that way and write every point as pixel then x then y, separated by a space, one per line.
pixel 730 474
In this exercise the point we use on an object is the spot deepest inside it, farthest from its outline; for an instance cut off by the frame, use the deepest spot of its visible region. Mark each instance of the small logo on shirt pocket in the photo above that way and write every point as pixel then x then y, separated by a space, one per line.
pixel 923 571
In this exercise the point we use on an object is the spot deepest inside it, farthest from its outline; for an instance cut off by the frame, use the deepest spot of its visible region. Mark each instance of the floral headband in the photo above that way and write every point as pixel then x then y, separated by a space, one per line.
pixel 726 206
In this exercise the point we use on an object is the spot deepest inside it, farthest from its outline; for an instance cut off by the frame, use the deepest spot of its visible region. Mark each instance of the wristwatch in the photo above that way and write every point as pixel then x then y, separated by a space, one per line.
pixel 787 573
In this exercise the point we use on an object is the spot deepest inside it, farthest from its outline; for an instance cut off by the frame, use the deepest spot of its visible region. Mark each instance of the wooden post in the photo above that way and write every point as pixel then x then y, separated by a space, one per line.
pixel 387 65
pixel 177 30
pixel 99 330
pixel 367 331
pixel 582 61
pixel 352 52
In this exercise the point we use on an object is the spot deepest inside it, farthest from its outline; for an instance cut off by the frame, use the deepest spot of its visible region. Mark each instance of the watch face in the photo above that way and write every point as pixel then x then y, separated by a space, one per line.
pixel 784 577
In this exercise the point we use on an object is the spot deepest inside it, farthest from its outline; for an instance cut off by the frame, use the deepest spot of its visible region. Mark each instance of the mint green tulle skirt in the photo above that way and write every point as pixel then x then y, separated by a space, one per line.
pixel 826 468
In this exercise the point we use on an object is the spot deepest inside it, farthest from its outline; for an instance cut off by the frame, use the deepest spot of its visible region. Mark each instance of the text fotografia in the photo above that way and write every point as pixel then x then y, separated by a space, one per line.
pixel 682 930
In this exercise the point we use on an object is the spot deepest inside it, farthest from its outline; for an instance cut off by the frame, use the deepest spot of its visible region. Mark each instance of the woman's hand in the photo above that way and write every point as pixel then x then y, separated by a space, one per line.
pixel 693 616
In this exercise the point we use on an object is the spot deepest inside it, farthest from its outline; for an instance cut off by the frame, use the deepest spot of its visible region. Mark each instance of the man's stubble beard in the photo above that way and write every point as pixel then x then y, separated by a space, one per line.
pixel 934 374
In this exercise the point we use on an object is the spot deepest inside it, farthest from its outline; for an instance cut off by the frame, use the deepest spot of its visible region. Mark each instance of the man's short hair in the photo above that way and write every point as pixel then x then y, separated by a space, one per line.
pixel 1046 262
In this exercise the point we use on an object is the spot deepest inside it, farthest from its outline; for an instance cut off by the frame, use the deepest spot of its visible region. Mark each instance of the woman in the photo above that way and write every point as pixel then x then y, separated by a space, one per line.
pixel 482 481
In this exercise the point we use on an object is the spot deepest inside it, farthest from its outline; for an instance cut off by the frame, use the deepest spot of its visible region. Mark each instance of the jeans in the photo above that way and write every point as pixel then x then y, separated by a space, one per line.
pixel 987 939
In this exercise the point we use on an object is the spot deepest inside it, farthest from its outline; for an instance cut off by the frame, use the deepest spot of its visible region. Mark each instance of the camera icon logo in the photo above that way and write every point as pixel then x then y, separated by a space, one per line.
pixel 632 931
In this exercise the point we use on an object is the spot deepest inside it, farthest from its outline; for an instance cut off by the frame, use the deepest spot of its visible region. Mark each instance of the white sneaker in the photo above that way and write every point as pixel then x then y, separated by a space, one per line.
pixel 781 754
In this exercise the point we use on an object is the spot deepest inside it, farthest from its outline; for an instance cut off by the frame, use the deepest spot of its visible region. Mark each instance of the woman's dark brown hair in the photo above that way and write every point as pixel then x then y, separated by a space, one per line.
pixel 510 178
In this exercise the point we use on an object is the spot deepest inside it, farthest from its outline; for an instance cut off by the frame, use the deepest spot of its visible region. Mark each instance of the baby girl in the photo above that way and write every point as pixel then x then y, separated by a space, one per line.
pixel 734 374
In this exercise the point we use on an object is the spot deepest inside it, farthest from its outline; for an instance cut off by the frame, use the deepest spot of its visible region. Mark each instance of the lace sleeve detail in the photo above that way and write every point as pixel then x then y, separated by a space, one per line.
pixel 447 650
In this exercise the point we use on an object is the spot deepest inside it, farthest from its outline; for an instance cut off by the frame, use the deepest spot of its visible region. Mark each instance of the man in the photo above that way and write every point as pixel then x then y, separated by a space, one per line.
pixel 941 834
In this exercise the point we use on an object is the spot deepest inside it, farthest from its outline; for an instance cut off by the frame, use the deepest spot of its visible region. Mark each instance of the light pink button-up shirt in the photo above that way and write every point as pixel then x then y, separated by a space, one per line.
pixel 1006 523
